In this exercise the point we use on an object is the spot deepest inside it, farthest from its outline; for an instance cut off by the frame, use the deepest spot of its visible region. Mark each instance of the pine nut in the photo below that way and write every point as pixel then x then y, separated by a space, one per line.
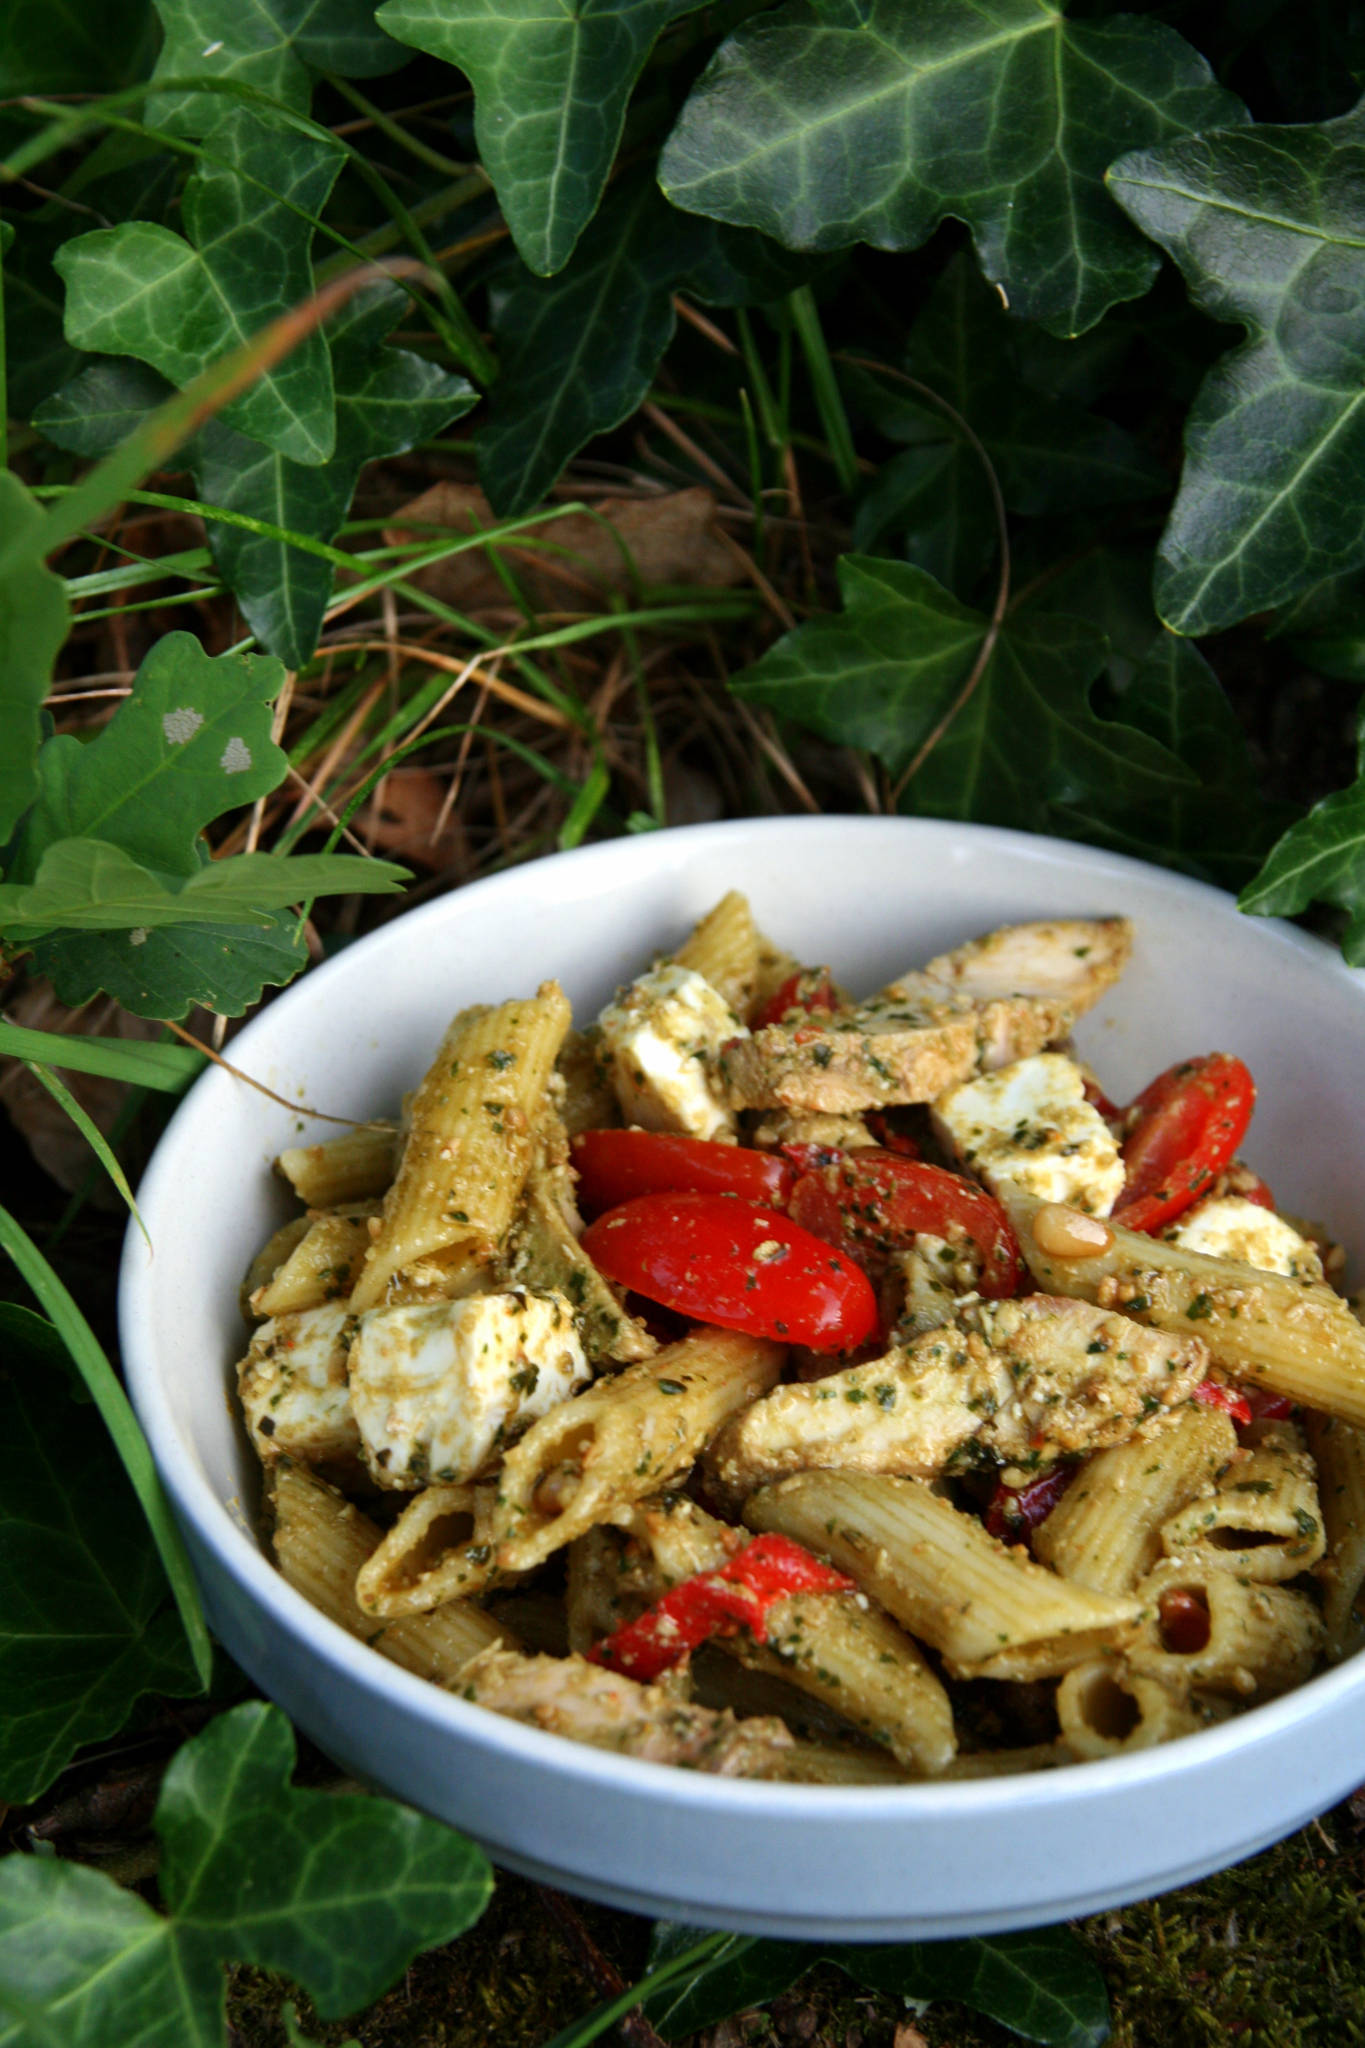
pixel 1066 1233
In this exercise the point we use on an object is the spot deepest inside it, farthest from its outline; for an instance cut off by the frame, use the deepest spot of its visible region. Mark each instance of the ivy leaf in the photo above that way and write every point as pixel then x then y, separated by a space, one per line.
pixel 837 121
pixel 1321 859
pixel 1026 743
pixel 273 45
pixel 579 351
pixel 52 46
pixel 338 1893
pixel 746 1971
pixel 190 742
pixel 551 85
pixel 141 290
pixel 33 623
pixel 87 1626
pixel 1266 226
pixel 1325 627
pixel 87 885
pixel 1043 1984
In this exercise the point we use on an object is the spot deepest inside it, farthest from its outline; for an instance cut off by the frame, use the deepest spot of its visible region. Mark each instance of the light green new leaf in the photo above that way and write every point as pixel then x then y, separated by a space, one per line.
pixel 180 304
pixel 551 85
pixel 268 44
pixel 191 742
pixel 33 623
pixel 829 122
pixel 1026 742
pixel 338 1893
pixel 1321 859
pixel 579 351
pixel 85 1621
pixel 1268 226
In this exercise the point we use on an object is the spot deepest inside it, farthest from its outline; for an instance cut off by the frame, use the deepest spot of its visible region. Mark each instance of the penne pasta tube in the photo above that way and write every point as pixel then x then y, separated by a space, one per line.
pixel 1339 1451
pixel 580 1087
pixel 831 1645
pixel 723 948
pixel 1105 1709
pixel 1263 1520
pixel 1296 1337
pixel 347 1169
pixel 469 1146
pixel 623 1439
pixel 323 1264
pixel 1252 1640
pixel 1003 1763
pixel 1105 1531
pixel 429 1556
pixel 321 1543
pixel 267 1262
pixel 988 1610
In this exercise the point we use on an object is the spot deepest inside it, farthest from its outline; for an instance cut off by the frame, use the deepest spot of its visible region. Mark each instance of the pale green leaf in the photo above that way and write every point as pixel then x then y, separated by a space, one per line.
pixel 179 303
pixel 85 1620
pixel 1268 227
pixel 829 122
pixel 551 86
pixel 338 1893
pixel 33 623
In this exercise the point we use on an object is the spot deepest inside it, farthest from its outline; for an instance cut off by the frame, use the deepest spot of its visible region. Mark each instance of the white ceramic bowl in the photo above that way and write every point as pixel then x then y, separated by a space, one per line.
pixel 871 896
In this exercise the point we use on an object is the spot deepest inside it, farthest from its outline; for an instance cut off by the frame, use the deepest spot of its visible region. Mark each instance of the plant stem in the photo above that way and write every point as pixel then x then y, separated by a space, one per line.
pixel 829 400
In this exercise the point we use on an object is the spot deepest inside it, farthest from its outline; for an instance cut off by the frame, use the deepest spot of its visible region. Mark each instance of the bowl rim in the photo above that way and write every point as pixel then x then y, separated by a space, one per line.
pixel 226 1534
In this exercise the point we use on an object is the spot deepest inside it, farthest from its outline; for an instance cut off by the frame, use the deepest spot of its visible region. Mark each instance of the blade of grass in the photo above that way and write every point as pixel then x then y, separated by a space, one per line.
pixel 95 1370
pixel 829 400
pixel 166 1067
pixel 585 806
pixel 93 1135
pixel 592 2026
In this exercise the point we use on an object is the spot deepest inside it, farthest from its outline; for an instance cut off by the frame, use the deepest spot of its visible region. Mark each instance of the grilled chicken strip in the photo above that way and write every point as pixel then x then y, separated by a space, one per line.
pixel 1023 1382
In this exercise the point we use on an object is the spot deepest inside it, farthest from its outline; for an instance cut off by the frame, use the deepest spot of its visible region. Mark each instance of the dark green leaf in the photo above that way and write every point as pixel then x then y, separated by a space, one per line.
pixel 338 1893
pixel 550 93
pixel 1326 627
pixel 191 742
pixel 33 621
pixel 223 967
pixel 745 1972
pixel 52 46
pixel 933 504
pixel 268 44
pixel 1321 860
pixel 1024 745
pixel 1042 1985
pixel 96 410
pixel 37 358
pixel 873 120
pixel 1268 227
pixel 180 304
pixel 85 1622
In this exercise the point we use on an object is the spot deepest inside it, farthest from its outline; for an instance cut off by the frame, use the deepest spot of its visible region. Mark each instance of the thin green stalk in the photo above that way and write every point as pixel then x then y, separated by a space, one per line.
pixel 152 604
pixel 829 400
pixel 586 805
pixel 395 131
pixel 773 431
pixel 592 2026
pixel 654 767
pixel 755 454
pixel 4 388
pixel 92 1134
pixel 142 1065
pixel 138 569
pixel 88 1356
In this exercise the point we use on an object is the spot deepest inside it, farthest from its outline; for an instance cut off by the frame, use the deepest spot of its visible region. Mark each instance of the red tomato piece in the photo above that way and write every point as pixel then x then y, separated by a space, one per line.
pixel 1213 1394
pixel 737 1595
pixel 615 1166
pixel 1189 1123
pixel 887 1136
pixel 1014 1510
pixel 1265 1406
pixel 721 1260
pixel 870 1203
pixel 1184 1619
pixel 811 989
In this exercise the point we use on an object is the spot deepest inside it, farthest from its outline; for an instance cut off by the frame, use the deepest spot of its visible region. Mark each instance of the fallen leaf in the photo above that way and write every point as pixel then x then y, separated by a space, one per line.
pixel 403 815
pixel 576 559
pixel 908 2035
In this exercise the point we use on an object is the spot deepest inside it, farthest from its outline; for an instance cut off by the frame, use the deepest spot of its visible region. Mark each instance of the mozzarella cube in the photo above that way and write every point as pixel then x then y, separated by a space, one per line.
pixel 438 1387
pixel 1231 1227
pixel 1027 1129
pixel 293 1388
pixel 662 1037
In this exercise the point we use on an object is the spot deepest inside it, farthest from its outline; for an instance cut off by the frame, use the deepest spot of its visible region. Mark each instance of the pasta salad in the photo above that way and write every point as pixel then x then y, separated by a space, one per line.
pixel 775 1382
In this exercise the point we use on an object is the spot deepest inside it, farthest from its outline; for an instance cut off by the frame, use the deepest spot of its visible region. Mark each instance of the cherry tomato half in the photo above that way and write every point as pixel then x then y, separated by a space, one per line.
pixel 1013 1511
pixel 1190 1121
pixel 615 1166
pixel 724 1261
pixel 1213 1394
pixel 870 1203
pixel 811 990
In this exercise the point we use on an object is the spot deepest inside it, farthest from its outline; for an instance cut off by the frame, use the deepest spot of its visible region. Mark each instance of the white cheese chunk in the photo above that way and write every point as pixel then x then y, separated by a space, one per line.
pixel 1231 1227
pixel 293 1388
pixel 1027 1129
pixel 437 1387
pixel 662 1037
